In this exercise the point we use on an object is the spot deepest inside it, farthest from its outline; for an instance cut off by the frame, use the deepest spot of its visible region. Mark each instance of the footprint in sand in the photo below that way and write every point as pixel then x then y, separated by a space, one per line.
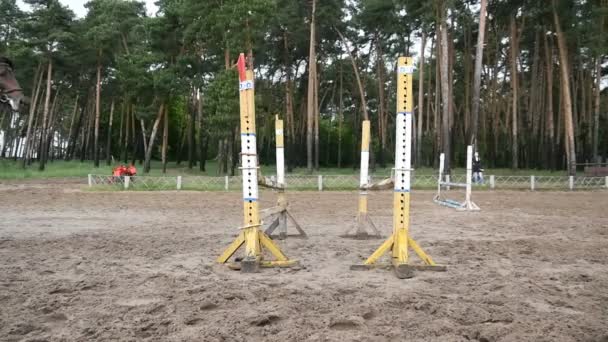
pixel 137 301
pixel 351 323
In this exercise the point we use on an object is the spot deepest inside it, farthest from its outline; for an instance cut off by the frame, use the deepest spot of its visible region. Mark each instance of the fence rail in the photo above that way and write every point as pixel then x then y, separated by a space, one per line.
pixel 341 182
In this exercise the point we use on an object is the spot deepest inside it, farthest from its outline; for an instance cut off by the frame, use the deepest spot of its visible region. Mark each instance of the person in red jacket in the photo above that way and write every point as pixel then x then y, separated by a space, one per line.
pixel 119 171
pixel 131 170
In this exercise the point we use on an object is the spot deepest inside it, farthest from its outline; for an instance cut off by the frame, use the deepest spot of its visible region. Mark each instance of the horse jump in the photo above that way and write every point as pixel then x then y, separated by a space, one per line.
pixel 400 240
pixel 468 204
pixel 280 213
pixel 363 219
pixel 250 235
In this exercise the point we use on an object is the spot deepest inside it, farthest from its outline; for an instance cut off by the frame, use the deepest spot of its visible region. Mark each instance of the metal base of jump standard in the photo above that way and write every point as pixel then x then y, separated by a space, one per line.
pixel 468 204
pixel 398 244
pixel 365 227
pixel 255 241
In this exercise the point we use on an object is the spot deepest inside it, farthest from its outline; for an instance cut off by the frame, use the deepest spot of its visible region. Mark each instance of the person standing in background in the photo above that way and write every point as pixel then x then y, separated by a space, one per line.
pixel 477 169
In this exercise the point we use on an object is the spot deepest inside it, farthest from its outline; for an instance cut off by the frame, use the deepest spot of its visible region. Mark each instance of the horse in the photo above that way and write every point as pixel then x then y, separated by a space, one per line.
pixel 10 90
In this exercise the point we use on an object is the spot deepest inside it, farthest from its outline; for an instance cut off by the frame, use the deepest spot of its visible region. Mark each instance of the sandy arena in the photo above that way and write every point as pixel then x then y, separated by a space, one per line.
pixel 139 266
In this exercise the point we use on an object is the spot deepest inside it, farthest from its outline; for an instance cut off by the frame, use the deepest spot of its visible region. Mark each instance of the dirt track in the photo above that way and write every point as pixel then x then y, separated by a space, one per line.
pixel 79 266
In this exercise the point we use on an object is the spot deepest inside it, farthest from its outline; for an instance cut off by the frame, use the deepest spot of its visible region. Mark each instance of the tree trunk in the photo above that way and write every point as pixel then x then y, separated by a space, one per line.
pixel 532 135
pixel 567 105
pixel 382 122
pixel 50 134
pixel 123 112
pixel 477 74
pixel 127 131
pixel 134 141
pixel 514 75
pixel 32 146
pixel 149 148
pixel 596 113
pixel 70 131
pixel 72 145
pixel 550 130
pixel 38 76
pixel 109 141
pixel 226 58
pixel 289 117
pixel 340 119
pixel 312 64
pixel 357 76
pixel 203 138
pixel 419 118
pixel 47 100
pixel 445 92
pixel 225 156
pixel 87 137
pixel 466 62
pixel 427 125
pixel 437 110
pixel 317 117
pixel 234 155
pixel 165 139
pixel 97 111
pixel 220 156
pixel 83 128
pixel 181 141
pixel 143 135
pixel 191 129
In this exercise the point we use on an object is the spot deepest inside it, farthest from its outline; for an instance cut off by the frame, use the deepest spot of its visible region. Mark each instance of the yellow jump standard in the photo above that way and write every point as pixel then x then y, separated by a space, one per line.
pixel 400 241
pixel 363 219
pixel 280 212
pixel 250 233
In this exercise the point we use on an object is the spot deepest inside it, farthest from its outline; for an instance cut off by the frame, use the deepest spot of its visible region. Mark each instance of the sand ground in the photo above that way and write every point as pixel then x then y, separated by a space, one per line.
pixel 139 266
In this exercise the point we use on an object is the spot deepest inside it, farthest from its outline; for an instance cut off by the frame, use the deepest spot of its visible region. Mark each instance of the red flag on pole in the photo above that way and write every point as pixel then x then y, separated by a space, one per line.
pixel 241 66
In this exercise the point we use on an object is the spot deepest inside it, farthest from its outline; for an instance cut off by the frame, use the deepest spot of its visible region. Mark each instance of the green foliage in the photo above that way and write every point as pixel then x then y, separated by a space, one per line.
pixel 223 103
pixel 49 26
pixel 186 47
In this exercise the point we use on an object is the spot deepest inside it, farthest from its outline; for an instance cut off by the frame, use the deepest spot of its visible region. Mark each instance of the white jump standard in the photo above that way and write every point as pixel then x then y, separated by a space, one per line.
pixel 398 244
pixel 363 219
pixel 280 212
pixel 468 204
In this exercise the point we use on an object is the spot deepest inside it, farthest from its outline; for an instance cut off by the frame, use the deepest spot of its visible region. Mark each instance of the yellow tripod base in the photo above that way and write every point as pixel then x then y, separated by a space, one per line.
pixel 398 244
pixel 255 241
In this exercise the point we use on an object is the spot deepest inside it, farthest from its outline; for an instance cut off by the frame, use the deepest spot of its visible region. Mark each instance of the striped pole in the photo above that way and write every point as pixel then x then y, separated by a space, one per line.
pixel 250 234
pixel 400 241
pixel 469 174
pixel 279 214
pixel 280 158
pixel 280 142
pixel 403 162
pixel 440 179
pixel 364 175
pixel 249 165
pixel 364 222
